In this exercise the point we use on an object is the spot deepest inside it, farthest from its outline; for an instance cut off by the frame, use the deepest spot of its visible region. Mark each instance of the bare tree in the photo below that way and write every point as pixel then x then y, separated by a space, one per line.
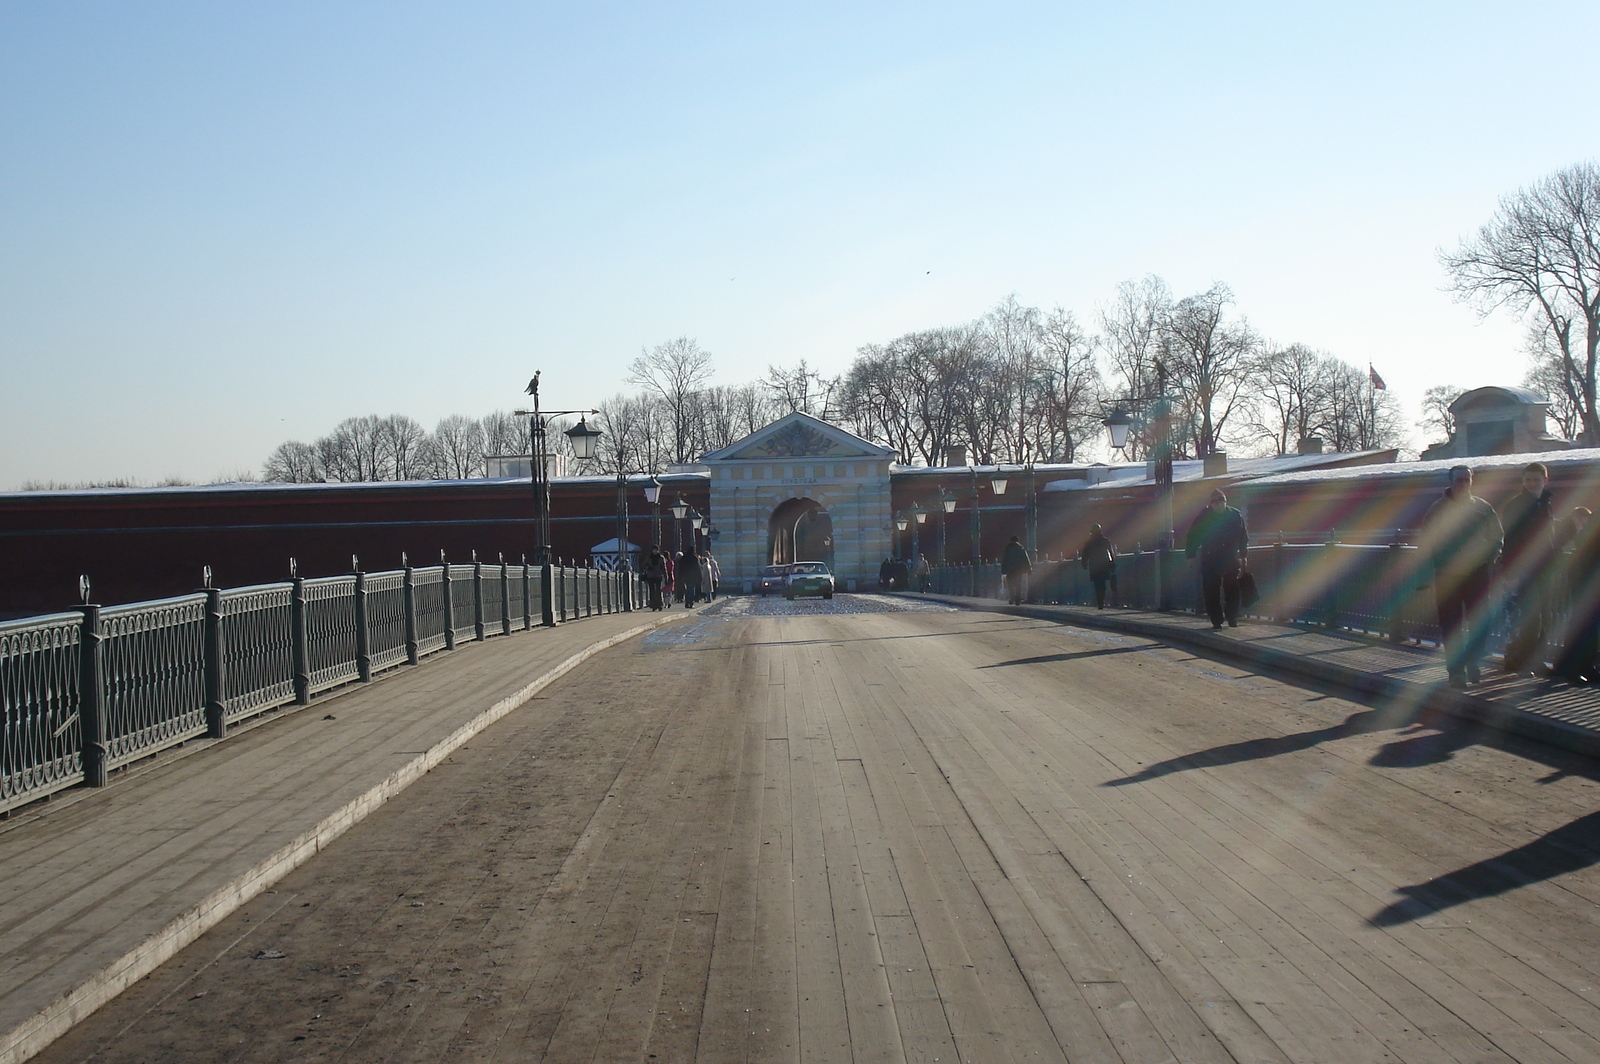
pixel 1131 339
pixel 1540 256
pixel 799 387
pixel 402 449
pixel 458 447
pixel 505 433
pixel 674 371
pixel 1436 416
pixel 1292 390
pixel 1359 418
pixel 1210 358
pixel 1547 375
pixel 293 462
pixel 1064 404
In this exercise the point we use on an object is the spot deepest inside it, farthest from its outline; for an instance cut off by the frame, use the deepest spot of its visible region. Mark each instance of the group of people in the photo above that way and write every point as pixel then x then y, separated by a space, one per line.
pixel 684 577
pixel 1218 538
pixel 1540 570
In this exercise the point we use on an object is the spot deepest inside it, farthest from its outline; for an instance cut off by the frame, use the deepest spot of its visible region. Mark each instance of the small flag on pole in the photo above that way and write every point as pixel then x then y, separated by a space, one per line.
pixel 1377 381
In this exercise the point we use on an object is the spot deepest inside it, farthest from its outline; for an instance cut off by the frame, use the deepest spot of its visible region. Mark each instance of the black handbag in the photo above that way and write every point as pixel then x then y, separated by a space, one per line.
pixel 1248 595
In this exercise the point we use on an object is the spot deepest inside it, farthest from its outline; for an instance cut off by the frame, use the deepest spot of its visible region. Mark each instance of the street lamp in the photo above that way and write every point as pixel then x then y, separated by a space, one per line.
pixel 1158 421
pixel 919 517
pixel 652 495
pixel 947 502
pixel 679 510
pixel 584 439
pixel 583 442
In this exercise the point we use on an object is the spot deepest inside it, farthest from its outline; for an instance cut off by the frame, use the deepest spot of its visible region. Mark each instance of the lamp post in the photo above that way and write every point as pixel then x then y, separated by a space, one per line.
pixel 583 440
pixel 652 495
pixel 947 503
pixel 680 510
pixel 1159 421
pixel 696 522
pixel 919 516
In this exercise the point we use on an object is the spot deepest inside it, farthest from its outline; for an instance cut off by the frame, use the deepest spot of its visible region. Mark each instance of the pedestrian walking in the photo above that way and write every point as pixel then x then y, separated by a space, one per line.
pixel 1099 555
pixel 1015 567
pixel 1527 522
pixel 710 575
pixel 669 586
pixel 1460 542
pixel 924 573
pixel 885 576
pixel 1220 540
pixel 689 578
pixel 654 574
pixel 1580 579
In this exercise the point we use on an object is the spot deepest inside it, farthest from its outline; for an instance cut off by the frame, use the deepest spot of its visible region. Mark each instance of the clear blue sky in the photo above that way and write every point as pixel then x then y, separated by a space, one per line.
pixel 226 225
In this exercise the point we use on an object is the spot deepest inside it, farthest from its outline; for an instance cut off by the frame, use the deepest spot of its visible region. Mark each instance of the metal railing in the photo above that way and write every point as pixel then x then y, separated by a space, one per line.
pixel 1380 590
pixel 85 692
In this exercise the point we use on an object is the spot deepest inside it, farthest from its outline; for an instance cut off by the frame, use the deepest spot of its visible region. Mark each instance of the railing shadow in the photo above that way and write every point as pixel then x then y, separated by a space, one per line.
pixel 1045 659
pixel 1569 848
pixel 1367 720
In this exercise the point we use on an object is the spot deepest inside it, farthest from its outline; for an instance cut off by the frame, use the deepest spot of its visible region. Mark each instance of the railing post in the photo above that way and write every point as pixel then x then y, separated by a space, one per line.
pixel 1277 586
pixel 299 640
pixel 561 578
pixel 449 604
pixel 1403 589
pixel 363 633
pixel 408 594
pixel 91 696
pixel 216 724
pixel 527 602
pixel 477 598
pixel 505 597
pixel 625 578
pixel 1330 618
pixel 547 593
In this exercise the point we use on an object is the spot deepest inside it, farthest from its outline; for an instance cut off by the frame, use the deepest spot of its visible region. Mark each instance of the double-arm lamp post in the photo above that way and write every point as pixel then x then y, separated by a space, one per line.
pixel 584 440
pixel 1152 413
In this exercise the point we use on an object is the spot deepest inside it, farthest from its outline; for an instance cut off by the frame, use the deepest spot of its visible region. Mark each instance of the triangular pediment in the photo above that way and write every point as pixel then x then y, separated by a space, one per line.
pixel 799 435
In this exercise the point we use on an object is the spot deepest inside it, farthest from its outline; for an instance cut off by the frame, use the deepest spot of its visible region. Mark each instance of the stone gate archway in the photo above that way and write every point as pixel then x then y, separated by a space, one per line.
pixel 800 530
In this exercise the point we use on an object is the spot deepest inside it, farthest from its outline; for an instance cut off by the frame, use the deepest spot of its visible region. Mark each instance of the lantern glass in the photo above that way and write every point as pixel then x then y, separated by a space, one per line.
pixel 652 491
pixel 949 504
pixel 998 483
pixel 584 439
pixel 1118 424
pixel 921 515
pixel 680 509
pixel 900 522
pixel 695 521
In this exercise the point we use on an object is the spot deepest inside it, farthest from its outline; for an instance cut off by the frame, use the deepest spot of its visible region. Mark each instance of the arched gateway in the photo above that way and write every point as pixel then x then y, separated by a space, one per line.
pixel 801 489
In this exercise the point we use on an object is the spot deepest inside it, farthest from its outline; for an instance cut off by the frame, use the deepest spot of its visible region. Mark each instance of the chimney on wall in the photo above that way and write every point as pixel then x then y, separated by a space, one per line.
pixel 1309 445
pixel 1216 464
pixel 955 456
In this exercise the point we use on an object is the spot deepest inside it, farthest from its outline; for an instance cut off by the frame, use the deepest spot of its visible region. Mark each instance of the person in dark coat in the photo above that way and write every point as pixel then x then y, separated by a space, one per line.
pixel 1015 567
pixel 688 576
pixel 1580 579
pixel 886 576
pixel 1099 555
pixel 1461 540
pixel 1218 536
pixel 1528 523
pixel 654 575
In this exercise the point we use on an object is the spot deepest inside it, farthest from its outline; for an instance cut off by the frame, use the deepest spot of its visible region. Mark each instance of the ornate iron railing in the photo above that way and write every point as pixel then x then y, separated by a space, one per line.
pixel 40 666
pixel 85 692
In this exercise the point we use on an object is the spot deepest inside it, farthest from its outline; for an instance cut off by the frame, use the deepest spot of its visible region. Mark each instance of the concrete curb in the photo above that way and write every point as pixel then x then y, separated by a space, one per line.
pixel 1360 684
pixel 51 1022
